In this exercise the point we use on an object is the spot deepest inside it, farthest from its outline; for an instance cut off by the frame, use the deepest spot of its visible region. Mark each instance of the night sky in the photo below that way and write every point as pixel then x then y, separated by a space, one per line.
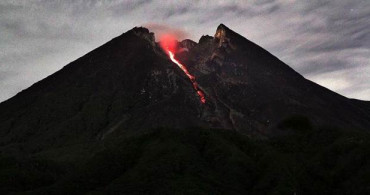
pixel 328 42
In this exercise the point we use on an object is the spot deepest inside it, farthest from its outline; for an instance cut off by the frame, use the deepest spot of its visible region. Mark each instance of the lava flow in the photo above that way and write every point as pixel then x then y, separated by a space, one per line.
pixel 191 77
pixel 169 44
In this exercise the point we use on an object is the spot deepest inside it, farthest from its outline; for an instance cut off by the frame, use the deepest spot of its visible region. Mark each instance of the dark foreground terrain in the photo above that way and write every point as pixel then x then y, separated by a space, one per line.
pixel 204 161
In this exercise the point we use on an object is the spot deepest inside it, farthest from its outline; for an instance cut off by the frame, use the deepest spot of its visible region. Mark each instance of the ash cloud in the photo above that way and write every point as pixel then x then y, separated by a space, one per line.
pixel 162 29
pixel 326 41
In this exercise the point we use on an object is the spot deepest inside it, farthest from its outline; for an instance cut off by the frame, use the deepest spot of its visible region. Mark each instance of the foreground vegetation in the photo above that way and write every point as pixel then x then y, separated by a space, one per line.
pixel 305 160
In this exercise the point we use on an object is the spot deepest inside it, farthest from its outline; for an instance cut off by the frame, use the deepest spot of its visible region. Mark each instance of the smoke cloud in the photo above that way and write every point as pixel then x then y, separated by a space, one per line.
pixel 161 30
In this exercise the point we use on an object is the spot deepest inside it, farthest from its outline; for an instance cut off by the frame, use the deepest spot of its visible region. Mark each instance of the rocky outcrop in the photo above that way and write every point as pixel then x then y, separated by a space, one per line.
pixel 144 33
pixel 187 44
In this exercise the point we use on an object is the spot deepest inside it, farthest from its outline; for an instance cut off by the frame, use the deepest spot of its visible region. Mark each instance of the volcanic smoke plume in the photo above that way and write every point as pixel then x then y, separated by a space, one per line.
pixel 168 43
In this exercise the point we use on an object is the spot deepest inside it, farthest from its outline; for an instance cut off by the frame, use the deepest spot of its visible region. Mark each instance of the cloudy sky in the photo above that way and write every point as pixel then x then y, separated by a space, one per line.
pixel 326 41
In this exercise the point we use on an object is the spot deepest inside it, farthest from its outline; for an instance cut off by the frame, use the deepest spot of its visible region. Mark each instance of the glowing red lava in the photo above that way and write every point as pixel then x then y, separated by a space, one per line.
pixel 191 77
pixel 169 44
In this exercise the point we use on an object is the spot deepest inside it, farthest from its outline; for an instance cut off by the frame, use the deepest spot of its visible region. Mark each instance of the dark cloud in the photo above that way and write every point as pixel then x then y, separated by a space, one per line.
pixel 326 41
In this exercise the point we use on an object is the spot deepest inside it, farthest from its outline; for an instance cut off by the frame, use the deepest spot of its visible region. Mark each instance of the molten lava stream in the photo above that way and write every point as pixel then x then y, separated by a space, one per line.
pixel 191 77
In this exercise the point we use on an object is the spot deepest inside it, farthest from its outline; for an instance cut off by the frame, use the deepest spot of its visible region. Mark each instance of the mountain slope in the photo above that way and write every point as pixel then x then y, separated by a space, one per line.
pixel 259 90
pixel 117 83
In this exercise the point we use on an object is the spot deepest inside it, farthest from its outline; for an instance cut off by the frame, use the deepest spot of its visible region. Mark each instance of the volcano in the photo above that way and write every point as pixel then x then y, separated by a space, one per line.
pixel 130 86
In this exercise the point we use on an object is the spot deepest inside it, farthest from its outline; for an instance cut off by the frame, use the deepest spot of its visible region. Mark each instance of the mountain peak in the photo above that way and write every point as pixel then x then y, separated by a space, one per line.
pixel 222 31
pixel 143 33
pixel 224 37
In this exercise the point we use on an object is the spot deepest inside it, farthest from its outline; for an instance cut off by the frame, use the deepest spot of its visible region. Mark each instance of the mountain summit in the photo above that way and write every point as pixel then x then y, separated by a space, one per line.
pixel 130 85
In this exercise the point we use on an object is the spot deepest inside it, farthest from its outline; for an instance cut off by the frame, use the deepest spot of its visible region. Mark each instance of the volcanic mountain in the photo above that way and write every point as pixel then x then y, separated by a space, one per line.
pixel 130 85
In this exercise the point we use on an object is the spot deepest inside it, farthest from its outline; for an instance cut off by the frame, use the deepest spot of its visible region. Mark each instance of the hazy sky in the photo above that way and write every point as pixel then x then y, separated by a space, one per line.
pixel 326 41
